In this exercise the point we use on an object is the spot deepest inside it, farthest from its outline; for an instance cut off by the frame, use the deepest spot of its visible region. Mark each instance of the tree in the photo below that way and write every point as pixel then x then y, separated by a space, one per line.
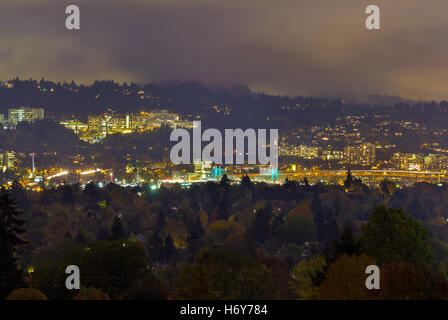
pixel 149 287
pixel 26 294
pixel 161 221
pixel 155 247
pixel 348 244
pixel 291 253
pixel 349 180
pixel 225 182
pixel 403 281
pixel 178 232
pixel 117 230
pixel 345 279
pixel 387 188
pixel 11 227
pixel 169 250
pixel 337 206
pixel 416 209
pixel 246 182
pixel 113 266
pixel 331 235
pixel 221 212
pixel 93 192
pixel 298 229
pixel 195 228
pixel 219 274
pixel 195 282
pixel 196 231
pixel 89 293
pixel 81 237
pixel 223 233
pixel 49 265
pixel 391 235
pixel 317 209
pixel 318 215
pixel 280 273
pixel 306 183
pixel 261 227
pixel 302 277
pixel 66 194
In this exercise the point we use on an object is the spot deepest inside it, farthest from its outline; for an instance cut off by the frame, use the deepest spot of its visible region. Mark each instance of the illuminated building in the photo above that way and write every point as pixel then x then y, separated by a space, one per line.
pixel 25 114
pixel 75 125
pixel 436 162
pixel 332 155
pixel 408 161
pixel 363 154
pixel 301 151
pixel 7 160
pixel 155 119
pixel 98 127
pixel 202 167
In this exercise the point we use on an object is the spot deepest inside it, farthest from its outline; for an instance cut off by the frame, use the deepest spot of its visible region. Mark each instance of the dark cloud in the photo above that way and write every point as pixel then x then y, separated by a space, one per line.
pixel 312 47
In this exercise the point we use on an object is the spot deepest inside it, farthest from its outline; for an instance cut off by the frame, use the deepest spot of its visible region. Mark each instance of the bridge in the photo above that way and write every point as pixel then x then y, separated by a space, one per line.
pixel 269 173
pixel 272 175
pixel 369 177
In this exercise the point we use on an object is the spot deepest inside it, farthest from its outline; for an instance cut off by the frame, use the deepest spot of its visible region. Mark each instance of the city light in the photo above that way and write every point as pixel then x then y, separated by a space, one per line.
pixel 60 174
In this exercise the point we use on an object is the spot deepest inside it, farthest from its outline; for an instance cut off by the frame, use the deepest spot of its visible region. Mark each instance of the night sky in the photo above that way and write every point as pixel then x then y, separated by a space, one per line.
pixel 305 47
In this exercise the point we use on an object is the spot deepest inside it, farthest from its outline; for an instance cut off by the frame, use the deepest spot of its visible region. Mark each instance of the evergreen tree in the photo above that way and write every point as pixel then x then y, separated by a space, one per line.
pixel 306 183
pixel 349 180
pixel 316 208
pixel 348 244
pixel 416 209
pixel 195 228
pixel 156 247
pixel 221 212
pixel 318 215
pixel 81 238
pixel 161 221
pixel 331 236
pixel 261 227
pixel 196 231
pixel 169 249
pixel 103 234
pixel 67 194
pixel 117 231
pixel 337 206
pixel 246 182
pixel 289 190
pixel 11 226
pixel 402 238
pixel 225 182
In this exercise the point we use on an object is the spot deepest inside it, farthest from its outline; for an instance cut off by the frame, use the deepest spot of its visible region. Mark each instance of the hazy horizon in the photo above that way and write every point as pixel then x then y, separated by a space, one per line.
pixel 297 48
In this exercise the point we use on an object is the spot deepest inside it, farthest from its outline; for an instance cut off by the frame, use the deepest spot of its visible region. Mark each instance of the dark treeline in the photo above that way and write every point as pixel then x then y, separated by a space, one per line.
pixel 218 241
pixel 49 137
pixel 246 109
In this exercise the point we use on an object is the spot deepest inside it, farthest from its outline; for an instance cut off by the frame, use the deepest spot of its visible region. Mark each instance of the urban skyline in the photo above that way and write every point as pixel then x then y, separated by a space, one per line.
pixel 321 152
pixel 246 151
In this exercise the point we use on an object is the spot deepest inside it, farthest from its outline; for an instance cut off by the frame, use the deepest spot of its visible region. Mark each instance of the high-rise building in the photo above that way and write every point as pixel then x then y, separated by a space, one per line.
pixel 408 161
pixel 436 162
pixel 7 160
pixel 202 167
pixel 25 114
pixel 75 125
pixel 363 154
pixel 111 122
